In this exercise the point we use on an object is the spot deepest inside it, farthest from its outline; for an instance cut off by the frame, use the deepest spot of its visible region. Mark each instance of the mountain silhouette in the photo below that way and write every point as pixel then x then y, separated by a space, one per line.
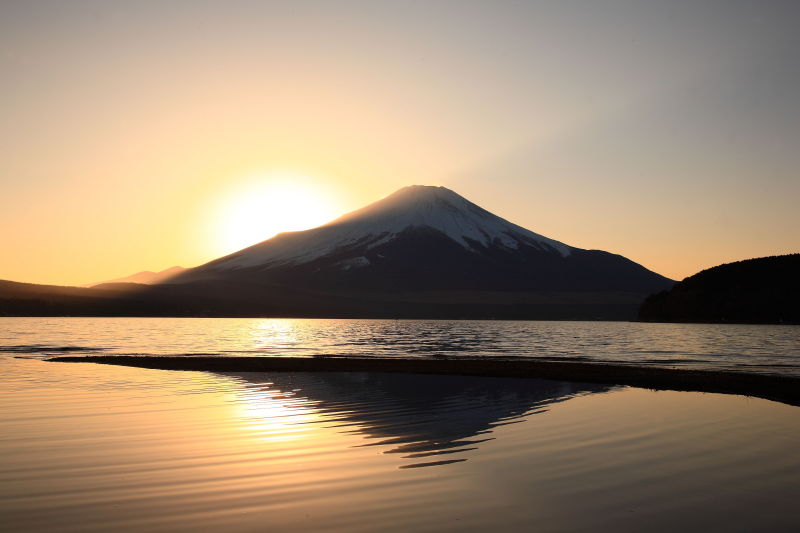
pixel 427 238
pixel 422 252
pixel 145 277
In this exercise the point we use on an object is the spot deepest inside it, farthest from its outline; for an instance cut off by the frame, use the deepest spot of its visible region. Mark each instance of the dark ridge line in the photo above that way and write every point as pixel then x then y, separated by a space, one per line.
pixel 784 389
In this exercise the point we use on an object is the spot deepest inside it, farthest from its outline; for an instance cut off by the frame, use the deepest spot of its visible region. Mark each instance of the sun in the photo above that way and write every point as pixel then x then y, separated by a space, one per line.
pixel 267 204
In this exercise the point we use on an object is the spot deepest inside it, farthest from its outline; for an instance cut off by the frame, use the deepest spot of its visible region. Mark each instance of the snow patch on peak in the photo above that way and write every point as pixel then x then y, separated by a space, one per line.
pixel 355 262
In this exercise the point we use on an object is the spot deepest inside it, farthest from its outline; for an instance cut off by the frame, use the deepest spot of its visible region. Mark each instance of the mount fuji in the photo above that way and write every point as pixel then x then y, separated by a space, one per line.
pixel 421 252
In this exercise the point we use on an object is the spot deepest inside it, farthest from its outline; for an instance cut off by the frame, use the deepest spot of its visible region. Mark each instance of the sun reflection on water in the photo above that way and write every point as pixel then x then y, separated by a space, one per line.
pixel 271 414
pixel 276 335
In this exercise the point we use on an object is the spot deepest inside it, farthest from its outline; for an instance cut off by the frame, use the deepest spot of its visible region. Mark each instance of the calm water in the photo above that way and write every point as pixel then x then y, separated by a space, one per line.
pixel 88 447
pixel 743 348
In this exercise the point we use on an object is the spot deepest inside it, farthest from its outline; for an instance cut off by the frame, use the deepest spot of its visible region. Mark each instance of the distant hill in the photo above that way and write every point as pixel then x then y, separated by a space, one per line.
pixel 29 299
pixel 146 277
pixel 765 290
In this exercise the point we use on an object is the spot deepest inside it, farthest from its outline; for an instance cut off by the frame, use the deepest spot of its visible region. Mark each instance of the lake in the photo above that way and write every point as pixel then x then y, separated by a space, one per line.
pixel 87 447
pixel 742 348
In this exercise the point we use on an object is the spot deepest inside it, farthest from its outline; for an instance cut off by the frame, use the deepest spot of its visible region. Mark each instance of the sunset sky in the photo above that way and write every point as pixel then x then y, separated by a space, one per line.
pixel 142 135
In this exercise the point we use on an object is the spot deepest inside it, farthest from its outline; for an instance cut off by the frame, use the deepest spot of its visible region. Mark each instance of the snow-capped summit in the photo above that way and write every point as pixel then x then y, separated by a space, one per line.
pixel 414 207
pixel 441 209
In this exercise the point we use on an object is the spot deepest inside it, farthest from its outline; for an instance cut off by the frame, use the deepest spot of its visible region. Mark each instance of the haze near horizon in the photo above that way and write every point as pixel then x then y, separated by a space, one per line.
pixel 142 136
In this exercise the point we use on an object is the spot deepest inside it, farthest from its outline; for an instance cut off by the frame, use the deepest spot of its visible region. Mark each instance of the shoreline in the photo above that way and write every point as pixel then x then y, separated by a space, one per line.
pixel 459 318
pixel 784 389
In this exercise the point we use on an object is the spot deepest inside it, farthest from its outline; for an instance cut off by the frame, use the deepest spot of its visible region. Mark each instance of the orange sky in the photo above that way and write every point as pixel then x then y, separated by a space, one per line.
pixel 665 134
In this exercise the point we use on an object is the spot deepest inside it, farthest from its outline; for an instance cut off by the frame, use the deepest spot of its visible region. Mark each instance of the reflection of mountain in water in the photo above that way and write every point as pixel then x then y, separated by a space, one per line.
pixel 423 416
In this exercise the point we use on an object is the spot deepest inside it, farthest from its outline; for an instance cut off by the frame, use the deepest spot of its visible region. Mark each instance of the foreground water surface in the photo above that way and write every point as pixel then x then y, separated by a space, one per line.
pixel 87 447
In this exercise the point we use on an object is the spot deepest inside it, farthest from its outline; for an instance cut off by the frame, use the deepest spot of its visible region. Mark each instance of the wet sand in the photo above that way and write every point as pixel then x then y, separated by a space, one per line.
pixel 783 389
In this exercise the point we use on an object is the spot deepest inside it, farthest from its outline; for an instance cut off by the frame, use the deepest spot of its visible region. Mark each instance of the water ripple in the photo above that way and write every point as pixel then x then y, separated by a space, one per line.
pixel 743 348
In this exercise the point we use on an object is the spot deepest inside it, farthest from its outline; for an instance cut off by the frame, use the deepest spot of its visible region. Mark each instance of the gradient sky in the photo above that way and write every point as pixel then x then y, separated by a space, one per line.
pixel 668 132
